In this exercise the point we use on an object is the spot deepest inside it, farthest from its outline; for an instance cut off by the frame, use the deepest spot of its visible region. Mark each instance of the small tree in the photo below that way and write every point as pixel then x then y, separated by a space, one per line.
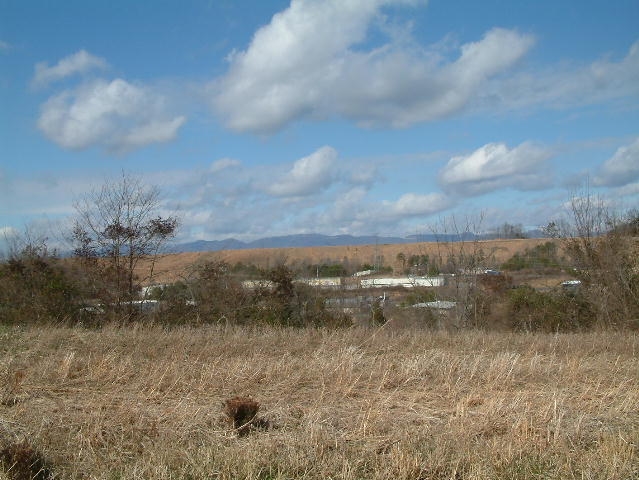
pixel 377 313
pixel 604 255
pixel 509 231
pixel 460 252
pixel 120 224
pixel 401 259
pixel 543 256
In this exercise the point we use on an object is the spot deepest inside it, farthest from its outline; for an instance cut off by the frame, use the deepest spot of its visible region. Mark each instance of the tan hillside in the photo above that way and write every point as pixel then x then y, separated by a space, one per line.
pixel 175 266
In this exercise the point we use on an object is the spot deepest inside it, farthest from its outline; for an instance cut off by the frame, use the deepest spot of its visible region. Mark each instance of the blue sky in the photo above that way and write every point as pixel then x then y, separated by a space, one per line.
pixel 260 118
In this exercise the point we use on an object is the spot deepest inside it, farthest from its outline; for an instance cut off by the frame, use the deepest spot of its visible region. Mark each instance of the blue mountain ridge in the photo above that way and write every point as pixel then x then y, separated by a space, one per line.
pixel 319 240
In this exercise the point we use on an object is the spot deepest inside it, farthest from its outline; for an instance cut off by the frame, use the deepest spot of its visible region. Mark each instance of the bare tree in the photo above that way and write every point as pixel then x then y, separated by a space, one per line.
pixel 509 231
pixel 119 222
pixel 460 253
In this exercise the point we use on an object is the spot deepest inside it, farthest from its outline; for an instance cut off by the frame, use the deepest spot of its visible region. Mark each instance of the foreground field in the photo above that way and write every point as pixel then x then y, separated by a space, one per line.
pixel 145 402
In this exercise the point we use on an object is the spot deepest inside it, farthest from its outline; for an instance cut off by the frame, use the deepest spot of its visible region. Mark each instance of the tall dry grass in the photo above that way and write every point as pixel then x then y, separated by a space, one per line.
pixel 147 402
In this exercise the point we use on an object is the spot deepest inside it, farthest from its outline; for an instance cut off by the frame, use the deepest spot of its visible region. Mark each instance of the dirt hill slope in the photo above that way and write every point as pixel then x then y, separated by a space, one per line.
pixel 172 267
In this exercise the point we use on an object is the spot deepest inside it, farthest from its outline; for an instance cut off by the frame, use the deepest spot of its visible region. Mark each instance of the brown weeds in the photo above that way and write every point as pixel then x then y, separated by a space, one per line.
pixel 22 462
pixel 135 402
pixel 11 394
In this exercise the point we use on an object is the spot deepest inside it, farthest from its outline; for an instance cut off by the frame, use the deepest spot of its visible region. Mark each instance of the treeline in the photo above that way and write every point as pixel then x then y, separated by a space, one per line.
pixel 38 287
pixel 117 236
pixel 118 229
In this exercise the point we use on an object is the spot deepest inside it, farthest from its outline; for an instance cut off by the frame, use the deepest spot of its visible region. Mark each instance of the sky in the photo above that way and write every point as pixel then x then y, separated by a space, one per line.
pixel 263 118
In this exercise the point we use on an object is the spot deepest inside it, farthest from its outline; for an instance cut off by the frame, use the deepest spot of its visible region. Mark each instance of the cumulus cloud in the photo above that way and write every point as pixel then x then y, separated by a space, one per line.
pixel 622 168
pixel 416 205
pixel 8 237
pixel 351 212
pixel 305 64
pixel 495 166
pixel 309 175
pixel 563 86
pixel 8 233
pixel 223 164
pixel 314 193
pixel 346 214
pixel 116 115
pixel 47 193
pixel 397 88
pixel 630 190
pixel 77 63
pixel 152 132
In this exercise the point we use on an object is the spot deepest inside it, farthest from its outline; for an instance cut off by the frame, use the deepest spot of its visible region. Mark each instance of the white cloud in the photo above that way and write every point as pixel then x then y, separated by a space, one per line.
pixel 8 237
pixel 622 168
pixel 364 174
pixel 304 64
pixel 309 175
pixel 8 233
pixel 4 46
pixel 152 132
pixel 351 213
pixel 223 164
pixel 562 86
pixel 628 190
pixel 347 213
pixel 416 205
pixel 495 166
pixel 398 88
pixel 79 63
pixel 43 194
pixel 116 115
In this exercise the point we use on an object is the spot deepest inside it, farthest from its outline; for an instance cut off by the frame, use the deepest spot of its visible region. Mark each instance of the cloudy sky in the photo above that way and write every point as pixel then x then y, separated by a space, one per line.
pixel 260 118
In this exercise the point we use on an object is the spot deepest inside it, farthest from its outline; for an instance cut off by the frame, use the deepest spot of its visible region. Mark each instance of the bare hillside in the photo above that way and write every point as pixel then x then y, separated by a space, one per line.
pixel 175 266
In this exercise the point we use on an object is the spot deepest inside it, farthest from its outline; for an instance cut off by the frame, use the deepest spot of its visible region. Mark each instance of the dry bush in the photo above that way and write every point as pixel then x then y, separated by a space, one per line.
pixel 555 311
pixel 495 284
pixel 36 287
pixel 213 293
pixel 22 462
pixel 135 402
pixel 602 250
pixel 242 415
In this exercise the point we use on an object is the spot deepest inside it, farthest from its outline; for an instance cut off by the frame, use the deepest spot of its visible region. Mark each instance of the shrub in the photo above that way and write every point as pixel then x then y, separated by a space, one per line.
pixel 419 295
pixel 214 294
pixel 292 304
pixel 540 256
pixel 604 254
pixel 531 310
pixel 377 313
pixel 35 286
pixel 608 268
pixel 332 270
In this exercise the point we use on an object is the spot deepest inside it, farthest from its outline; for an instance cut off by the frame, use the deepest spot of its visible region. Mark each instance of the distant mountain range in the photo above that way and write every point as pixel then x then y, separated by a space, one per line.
pixel 318 240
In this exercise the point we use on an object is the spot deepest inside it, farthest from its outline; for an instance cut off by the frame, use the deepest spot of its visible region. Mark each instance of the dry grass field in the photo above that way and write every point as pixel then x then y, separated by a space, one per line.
pixel 170 268
pixel 147 402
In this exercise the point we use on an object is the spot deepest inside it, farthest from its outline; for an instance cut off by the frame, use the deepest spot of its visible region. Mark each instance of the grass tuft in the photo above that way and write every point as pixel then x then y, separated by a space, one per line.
pixel 242 414
pixel 22 462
